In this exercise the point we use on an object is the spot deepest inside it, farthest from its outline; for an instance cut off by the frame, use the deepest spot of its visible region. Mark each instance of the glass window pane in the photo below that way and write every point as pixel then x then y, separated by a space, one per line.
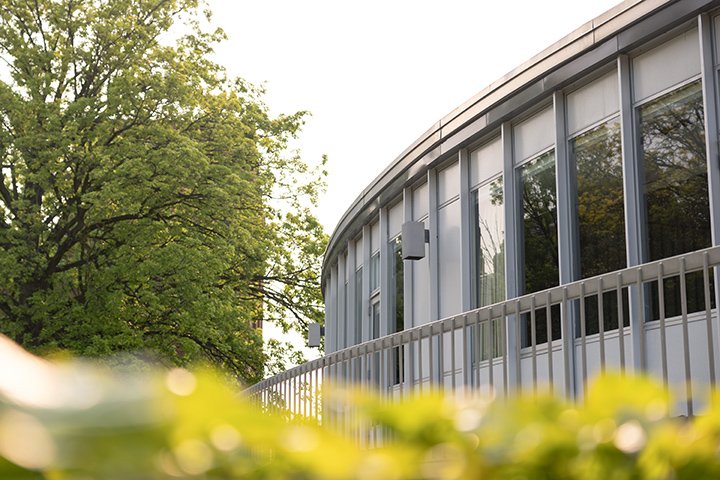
pixel 375 271
pixel 539 226
pixel 396 283
pixel 675 173
pixel 488 248
pixel 600 212
pixel 539 240
pixel 676 196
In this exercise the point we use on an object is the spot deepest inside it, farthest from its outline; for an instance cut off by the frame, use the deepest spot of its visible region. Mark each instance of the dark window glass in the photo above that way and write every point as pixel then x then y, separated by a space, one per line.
pixel 396 280
pixel 600 201
pixel 675 187
pixel 539 214
pixel 375 271
pixel 539 240
pixel 600 216
pixel 375 320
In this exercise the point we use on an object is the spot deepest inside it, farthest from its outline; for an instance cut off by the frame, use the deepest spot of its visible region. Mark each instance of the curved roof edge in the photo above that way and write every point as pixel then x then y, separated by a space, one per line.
pixel 618 30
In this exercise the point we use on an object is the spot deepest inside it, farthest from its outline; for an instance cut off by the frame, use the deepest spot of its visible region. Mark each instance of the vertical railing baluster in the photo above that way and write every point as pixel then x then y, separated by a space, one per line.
pixel 441 357
pixel 621 321
pixel 663 329
pixel 708 318
pixel 548 332
pixel 452 353
pixel 601 322
pixel 518 347
pixel 686 340
pixel 583 340
pixel 503 336
pixel 533 343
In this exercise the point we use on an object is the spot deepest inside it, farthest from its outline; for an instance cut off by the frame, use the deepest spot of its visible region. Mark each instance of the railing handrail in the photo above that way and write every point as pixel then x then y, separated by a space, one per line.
pixel 634 275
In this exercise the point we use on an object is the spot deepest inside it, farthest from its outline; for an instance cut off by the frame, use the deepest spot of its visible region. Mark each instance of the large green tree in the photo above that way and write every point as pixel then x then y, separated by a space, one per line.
pixel 147 202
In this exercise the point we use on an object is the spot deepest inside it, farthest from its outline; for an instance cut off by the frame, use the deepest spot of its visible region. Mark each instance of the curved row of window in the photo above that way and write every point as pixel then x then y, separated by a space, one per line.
pixel 609 172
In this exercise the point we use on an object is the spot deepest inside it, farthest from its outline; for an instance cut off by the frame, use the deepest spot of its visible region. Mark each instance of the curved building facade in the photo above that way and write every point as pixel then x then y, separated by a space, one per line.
pixel 597 155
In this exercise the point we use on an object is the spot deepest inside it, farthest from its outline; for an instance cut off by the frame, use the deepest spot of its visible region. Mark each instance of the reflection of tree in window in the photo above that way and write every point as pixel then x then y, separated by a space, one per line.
pixel 600 217
pixel 539 238
pixel 397 299
pixel 539 204
pixel 396 272
pixel 488 260
pixel 488 250
pixel 676 198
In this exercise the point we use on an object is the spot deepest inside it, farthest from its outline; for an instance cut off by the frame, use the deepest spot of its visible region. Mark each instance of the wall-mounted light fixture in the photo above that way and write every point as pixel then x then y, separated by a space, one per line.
pixel 414 238
pixel 315 333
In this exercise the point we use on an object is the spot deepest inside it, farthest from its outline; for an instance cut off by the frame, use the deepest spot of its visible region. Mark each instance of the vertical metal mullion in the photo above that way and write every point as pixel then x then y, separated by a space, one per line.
pixel 634 224
pixel 710 110
pixel 465 229
pixel 513 266
pixel 433 265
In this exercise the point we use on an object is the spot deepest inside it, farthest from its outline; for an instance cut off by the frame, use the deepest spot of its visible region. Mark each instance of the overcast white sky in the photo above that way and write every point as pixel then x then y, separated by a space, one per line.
pixel 377 74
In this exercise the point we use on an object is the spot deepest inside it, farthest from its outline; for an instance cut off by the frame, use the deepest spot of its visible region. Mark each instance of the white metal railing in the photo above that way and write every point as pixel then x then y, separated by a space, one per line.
pixel 669 332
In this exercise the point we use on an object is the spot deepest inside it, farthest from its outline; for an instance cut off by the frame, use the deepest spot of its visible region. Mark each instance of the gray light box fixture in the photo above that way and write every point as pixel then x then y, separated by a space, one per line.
pixel 414 237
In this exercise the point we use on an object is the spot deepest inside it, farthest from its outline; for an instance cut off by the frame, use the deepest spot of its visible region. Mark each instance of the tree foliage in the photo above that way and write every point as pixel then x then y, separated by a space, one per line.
pixel 147 201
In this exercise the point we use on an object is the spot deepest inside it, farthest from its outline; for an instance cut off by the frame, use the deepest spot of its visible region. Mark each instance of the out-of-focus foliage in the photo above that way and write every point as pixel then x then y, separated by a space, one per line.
pixel 75 422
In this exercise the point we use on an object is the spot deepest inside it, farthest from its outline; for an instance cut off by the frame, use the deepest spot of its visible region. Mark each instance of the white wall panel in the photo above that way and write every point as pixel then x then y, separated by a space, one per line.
pixel 666 65
pixel 591 103
pixel 449 259
pixel 486 162
pixel 358 253
pixel 375 237
pixel 448 183
pixel 395 220
pixel 534 135
pixel 420 202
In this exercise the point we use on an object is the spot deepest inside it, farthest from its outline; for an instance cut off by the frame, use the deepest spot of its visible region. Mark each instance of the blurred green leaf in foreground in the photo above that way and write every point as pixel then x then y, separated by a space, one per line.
pixel 76 421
